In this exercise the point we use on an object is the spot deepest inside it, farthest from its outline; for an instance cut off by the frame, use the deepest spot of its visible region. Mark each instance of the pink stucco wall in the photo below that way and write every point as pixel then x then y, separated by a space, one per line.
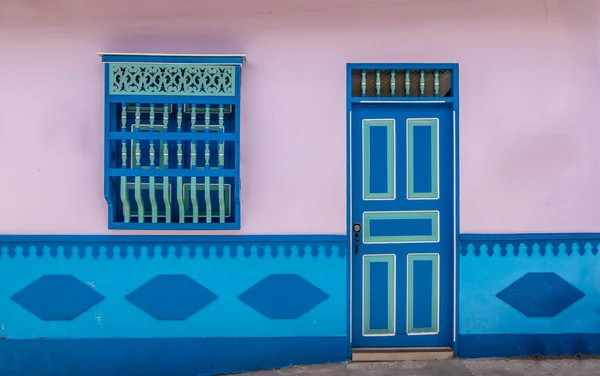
pixel 529 99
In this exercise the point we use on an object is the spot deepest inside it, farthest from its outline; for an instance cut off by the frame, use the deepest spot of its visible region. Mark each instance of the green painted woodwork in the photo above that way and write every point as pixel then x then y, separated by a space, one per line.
pixel 407 82
pixel 194 200
pixel 179 154
pixel 138 180
pixel 179 117
pixel 436 83
pixel 206 117
pixel 138 199
pixel 393 83
pixel 378 83
pixel 138 151
pixel 179 145
pixel 221 166
pixel 151 128
pixel 225 207
pixel 123 187
pixel 153 204
pixel 125 200
pixel 166 115
pixel 434 258
pixel 123 143
pixel 227 109
pixel 166 195
pixel 152 151
pixel 180 199
pixel 171 79
pixel 410 153
pixel 144 109
pixel 422 84
pixel 363 83
pixel 390 260
pixel 432 215
pixel 140 194
pixel 180 166
pixel 124 154
pixel 207 155
pixel 207 199
pixel 194 146
pixel 148 187
pixel 391 159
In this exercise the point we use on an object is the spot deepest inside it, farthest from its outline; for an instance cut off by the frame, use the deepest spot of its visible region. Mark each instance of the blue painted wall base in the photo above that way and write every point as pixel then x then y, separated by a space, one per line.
pixel 517 345
pixel 173 357
pixel 529 294
pixel 171 305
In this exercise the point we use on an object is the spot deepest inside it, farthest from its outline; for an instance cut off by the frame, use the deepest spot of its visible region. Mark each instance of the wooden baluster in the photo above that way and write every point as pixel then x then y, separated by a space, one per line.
pixel 436 83
pixel 165 165
pixel 124 188
pixel 378 82
pixel 180 166
pixel 422 84
pixel 221 166
pixel 393 83
pixel 138 165
pixel 152 155
pixel 193 189
pixel 363 83
pixel 407 82
pixel 207 166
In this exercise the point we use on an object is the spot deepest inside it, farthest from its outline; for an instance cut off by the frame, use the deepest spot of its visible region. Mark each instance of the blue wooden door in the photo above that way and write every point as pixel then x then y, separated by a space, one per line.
pixel 403 224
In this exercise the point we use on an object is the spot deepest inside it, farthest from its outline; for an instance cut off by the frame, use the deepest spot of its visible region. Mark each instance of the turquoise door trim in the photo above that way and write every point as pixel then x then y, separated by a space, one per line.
pixel 422 265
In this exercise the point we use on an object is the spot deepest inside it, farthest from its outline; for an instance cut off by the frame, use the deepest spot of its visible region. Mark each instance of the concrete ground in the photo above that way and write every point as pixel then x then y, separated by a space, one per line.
pixel 452 367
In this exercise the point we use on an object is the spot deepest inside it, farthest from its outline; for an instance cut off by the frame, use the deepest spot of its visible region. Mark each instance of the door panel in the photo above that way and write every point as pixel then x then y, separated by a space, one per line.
pixel 402 197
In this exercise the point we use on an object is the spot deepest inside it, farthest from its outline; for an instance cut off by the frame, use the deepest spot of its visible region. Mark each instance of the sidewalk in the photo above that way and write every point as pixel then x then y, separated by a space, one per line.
pixel 453 367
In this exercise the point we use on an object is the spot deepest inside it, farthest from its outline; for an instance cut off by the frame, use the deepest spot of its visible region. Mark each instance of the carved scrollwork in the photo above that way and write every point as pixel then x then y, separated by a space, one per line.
pixel 170 79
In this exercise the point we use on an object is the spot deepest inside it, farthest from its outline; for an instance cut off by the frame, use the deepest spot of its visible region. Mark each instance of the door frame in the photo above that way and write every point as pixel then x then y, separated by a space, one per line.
pixel 454 100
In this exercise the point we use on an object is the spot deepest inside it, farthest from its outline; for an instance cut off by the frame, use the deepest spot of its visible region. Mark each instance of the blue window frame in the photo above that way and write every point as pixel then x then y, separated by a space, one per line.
pixel 172 150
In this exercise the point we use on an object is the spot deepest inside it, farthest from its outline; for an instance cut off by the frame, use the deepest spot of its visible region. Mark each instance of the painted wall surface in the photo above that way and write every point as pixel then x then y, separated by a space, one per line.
pixel 170 305
pixel 529 84
pixel 524 295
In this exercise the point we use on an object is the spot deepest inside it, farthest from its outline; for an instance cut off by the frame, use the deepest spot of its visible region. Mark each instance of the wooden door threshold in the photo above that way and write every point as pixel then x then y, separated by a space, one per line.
pixel 398 354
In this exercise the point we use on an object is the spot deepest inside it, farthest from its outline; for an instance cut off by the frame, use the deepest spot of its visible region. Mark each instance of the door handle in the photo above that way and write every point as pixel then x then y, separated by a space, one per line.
pixel 356 229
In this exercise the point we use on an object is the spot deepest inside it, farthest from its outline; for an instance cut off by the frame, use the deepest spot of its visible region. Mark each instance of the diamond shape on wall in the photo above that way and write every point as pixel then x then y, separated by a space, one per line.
pixel 283 296
pixel 540 294
pixel 171 297
pixel 57 297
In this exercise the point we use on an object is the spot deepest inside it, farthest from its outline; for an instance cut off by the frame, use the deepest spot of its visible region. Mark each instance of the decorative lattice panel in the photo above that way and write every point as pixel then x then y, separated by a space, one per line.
pixel 394 83
pixel 172 79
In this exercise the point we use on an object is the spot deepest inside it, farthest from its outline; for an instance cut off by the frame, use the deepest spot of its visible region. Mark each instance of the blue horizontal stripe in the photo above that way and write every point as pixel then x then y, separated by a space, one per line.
pixel 170 173
pixel 512 345
pixel 403 66
pixel 401 227
pixel 161 99
pixel 174 59
pixel 402 99
pixel 172 136
pixel 165 356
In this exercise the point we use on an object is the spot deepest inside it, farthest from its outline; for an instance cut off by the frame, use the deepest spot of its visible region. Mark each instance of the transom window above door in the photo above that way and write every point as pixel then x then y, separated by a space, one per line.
pixel 383 81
